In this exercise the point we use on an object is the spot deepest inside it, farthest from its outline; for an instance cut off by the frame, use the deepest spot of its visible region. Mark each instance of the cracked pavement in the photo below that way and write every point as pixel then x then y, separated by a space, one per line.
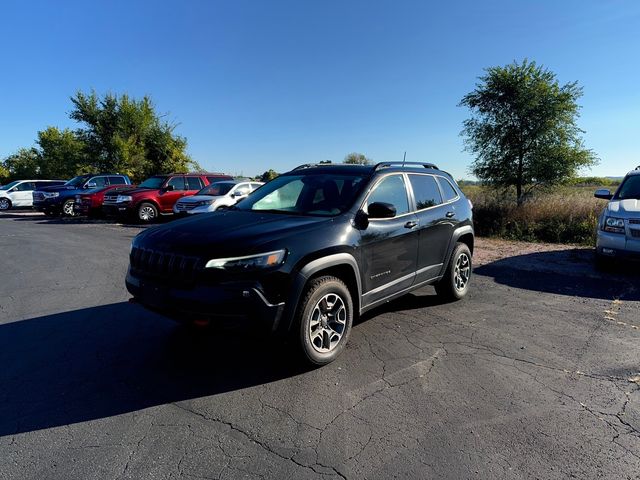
pixel 535 375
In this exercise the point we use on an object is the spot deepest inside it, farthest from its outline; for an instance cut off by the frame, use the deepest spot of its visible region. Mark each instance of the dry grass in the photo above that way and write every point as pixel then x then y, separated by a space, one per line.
pixel 564 215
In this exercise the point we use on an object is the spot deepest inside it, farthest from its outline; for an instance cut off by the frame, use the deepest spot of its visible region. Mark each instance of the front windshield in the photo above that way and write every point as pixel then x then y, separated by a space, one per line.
pixel 630 189
pixel 153 182
pixel 217 189
pixel 313 194
pixel 9 185
pixel 77 181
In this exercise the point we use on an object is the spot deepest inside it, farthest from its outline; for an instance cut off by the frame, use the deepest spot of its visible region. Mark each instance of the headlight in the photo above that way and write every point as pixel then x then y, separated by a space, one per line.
pixel 204 202
pixel 123 198
pixel 250 262
pixel 51 194
pixel 613 225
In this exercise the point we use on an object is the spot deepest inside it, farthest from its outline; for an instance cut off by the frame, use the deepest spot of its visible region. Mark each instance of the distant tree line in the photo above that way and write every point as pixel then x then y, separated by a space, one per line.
pixel 117 133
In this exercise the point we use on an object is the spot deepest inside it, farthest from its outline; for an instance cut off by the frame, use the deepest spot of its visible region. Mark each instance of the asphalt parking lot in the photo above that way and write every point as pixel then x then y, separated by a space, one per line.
pixel 535 375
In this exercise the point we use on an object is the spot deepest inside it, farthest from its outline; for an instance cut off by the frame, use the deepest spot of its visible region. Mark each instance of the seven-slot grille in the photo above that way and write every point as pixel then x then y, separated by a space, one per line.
pixel 184 206
pixel 38 196
pixel 163 265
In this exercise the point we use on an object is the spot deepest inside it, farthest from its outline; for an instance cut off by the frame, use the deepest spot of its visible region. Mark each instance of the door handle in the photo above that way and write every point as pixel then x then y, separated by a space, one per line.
pixel 410 224
pixel 451 214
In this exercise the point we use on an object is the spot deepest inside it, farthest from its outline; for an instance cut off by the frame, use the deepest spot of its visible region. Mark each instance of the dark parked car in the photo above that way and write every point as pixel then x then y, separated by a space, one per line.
pixel 309 251
pixel 157 195
pixel 89 203
pixel 60 199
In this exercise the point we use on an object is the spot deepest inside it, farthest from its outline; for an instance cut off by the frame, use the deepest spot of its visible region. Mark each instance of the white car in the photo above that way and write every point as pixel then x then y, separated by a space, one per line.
pixel 217 195
pixel 20 192
pixel 619 224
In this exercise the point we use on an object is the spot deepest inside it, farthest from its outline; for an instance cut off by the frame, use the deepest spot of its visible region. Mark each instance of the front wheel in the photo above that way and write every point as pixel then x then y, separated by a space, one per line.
pixel 147 212
pixel 5 204
pixel 67 208
pixel 325 317
pixel 455 282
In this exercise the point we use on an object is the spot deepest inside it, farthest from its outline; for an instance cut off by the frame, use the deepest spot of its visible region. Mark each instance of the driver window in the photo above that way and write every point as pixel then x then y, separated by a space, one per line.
pixel 391 190
pixel 24 186
pixel 177 182
pixel 99 181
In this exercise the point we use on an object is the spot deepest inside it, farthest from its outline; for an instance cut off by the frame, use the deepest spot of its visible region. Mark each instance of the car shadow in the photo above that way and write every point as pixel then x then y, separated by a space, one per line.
pixel 102 361
pixel 569 272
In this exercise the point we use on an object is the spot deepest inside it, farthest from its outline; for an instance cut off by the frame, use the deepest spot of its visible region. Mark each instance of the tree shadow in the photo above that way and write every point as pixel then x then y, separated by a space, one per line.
pixel 569 272
pixel 102 361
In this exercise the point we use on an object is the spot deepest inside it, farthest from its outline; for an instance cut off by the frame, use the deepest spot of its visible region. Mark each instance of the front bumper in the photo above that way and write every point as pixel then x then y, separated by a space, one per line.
pixel 618 245
pixel 117 209
pixel 48 204
pixel 232 304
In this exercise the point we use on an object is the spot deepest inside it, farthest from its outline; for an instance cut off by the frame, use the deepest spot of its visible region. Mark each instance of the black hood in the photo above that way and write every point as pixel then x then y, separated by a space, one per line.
pixel 229 233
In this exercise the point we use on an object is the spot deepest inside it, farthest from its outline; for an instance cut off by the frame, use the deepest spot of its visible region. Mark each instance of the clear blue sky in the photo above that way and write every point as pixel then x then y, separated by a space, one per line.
pixel 272 84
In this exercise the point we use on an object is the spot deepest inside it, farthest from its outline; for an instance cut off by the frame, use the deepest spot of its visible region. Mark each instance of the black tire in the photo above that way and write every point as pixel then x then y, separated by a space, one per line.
pixel 5 204
pixel 67 208
pixel 457 277
pixel 324 320
pixel 147 212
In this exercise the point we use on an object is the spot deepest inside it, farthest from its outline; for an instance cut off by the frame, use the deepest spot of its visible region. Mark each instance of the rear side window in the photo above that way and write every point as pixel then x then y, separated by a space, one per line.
pixel 391 190
pixel 117 180
pixel 448 192
pixel 177 182
pixel 242 189
pixel 194 183
pixel 216 179
pixel 426 191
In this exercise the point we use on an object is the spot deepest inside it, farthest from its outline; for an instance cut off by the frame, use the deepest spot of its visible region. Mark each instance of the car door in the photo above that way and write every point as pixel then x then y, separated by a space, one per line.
pixel 388 246
pixel 168 197
pixel 436 222
pixel 22 194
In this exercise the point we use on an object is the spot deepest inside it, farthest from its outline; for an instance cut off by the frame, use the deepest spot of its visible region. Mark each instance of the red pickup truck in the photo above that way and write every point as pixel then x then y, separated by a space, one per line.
pixel 157 195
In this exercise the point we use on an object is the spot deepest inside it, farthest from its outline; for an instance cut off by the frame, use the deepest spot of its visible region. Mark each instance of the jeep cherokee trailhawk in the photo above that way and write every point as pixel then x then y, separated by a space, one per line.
pixel 309 251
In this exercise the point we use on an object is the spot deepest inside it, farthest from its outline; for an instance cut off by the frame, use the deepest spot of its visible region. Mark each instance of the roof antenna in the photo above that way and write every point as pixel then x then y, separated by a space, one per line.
pixel 404 159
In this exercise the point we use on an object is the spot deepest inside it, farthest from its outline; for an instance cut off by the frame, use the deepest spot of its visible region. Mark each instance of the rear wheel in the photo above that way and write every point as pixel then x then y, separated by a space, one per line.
pixel 325 317
pixel 5 204
pixel 455 282
pixel 67 208
pixel 147 212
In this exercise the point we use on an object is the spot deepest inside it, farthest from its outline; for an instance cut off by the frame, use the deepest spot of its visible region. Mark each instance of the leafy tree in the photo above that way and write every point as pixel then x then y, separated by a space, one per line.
pixel 4 173
pixel 523 128
pixel 355 158
pixel 25 163
pixel 268 175
pixel 122 134
pixel 61 154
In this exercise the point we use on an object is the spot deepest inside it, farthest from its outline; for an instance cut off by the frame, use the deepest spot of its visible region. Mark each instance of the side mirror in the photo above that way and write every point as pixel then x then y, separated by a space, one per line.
pixel 381 210
pixel 169 188
pixel 603 194
pixel 91 185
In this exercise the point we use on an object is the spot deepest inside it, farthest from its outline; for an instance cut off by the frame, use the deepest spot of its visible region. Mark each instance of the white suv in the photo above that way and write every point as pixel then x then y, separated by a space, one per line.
pixel 20 192
pixel 619 224
pixel 221 194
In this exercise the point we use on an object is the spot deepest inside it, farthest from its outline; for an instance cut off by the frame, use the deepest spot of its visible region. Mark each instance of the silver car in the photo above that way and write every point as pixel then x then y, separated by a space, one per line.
pixel 619 223
pixel 216 196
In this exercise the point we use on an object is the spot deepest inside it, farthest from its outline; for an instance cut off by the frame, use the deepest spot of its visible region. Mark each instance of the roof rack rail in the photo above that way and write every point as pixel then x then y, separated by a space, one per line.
pixel 305 165
pixel 402 164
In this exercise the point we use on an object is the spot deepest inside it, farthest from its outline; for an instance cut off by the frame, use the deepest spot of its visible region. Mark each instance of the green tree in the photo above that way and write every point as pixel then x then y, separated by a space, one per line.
pixel 355 158
pixel 25 163
pixel 523 128
pixel 61 154
pixel 122 134
pixel 268 175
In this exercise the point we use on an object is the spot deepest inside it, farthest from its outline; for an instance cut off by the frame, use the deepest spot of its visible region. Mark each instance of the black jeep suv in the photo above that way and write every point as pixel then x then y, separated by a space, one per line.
pixel 309 251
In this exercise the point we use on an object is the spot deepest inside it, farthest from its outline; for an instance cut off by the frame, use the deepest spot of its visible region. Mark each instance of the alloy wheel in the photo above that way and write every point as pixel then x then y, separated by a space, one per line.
pixel 67 208
pixel 147 213
pixel 4 204
pixel 462 272
pixel 328 323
